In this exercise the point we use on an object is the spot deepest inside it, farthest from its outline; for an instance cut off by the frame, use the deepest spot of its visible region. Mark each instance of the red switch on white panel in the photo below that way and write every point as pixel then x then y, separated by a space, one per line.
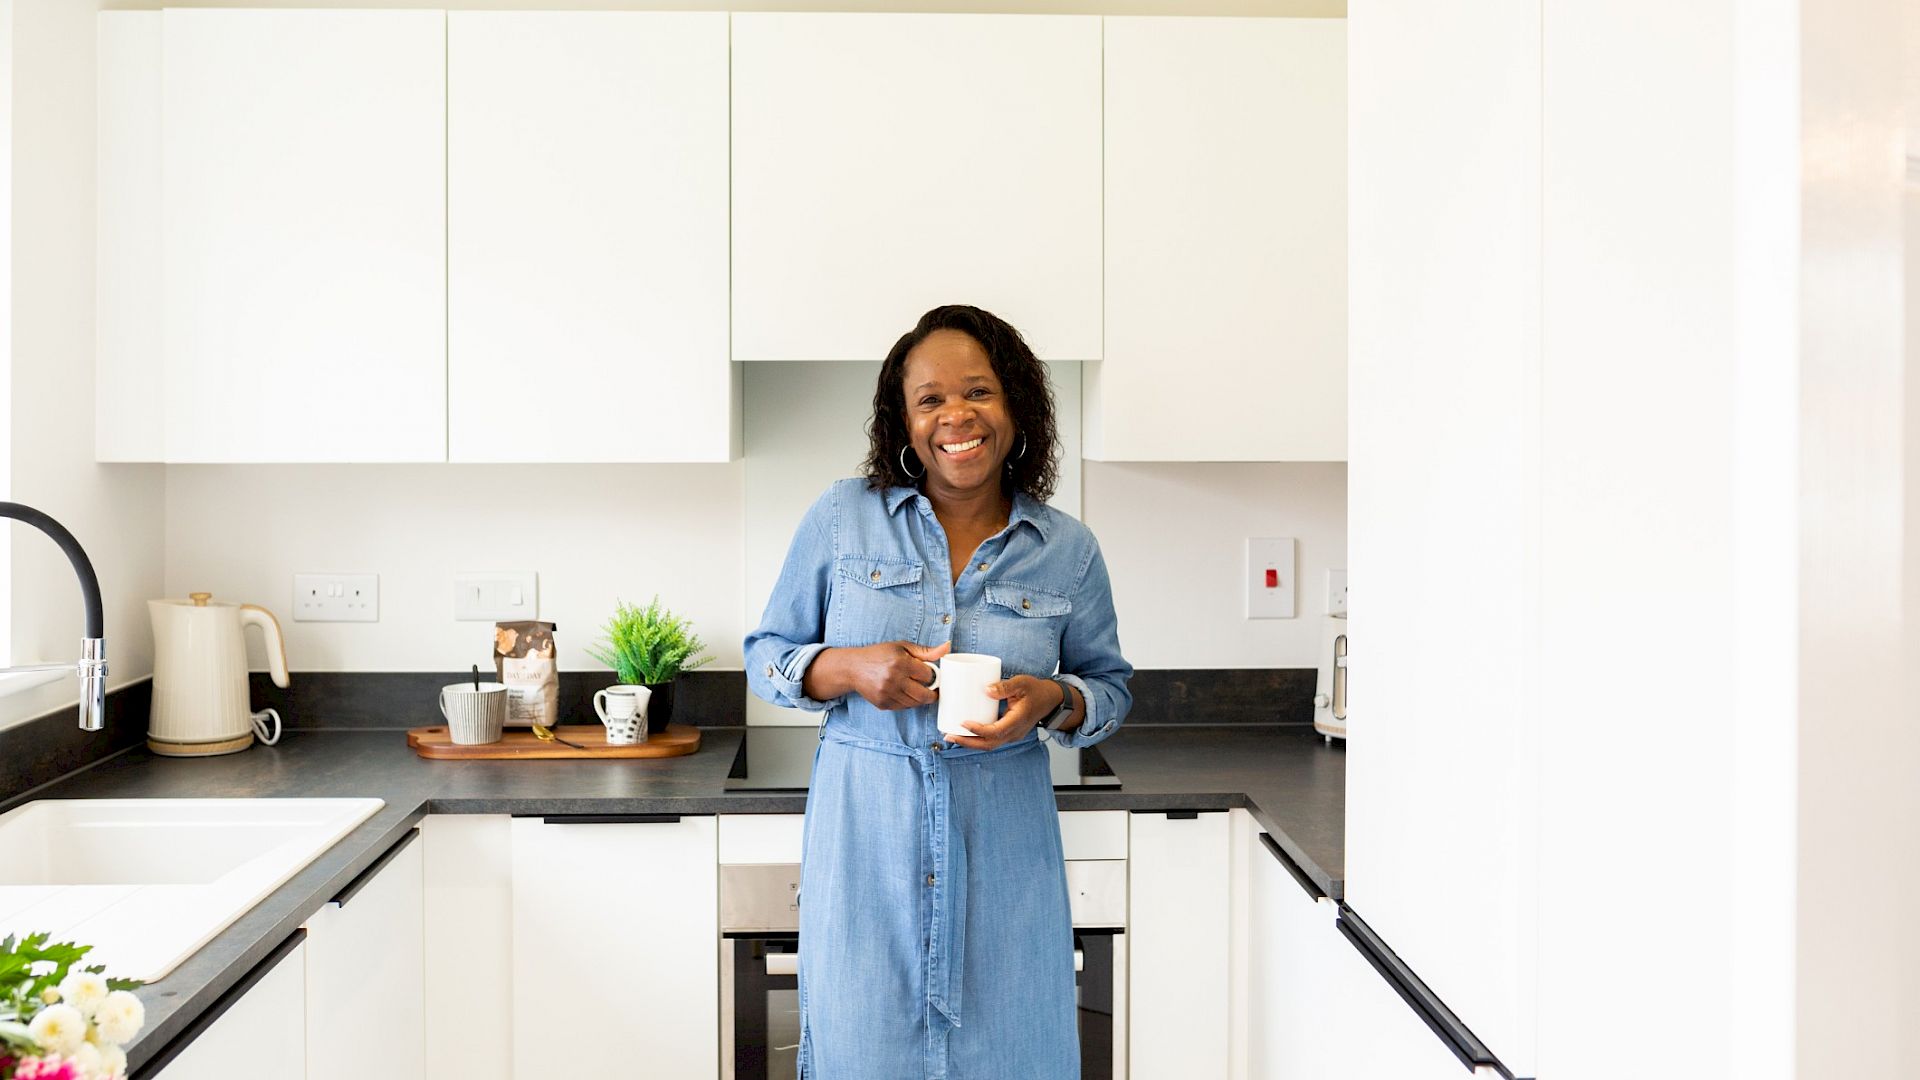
pixel 1270 574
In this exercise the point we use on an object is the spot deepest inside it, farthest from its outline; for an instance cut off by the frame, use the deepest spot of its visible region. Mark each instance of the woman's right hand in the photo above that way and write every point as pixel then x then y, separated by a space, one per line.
pixel 889 675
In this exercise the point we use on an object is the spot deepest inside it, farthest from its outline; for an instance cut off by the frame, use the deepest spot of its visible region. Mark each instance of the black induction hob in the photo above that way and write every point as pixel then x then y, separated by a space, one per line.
pixel 781 759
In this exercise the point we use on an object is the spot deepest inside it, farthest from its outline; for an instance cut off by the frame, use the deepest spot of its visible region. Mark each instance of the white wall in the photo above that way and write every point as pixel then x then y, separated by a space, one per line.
pixel 709 538
pixel 594 534
pixel 1859 739
pixel 1174 537
pixel 114 510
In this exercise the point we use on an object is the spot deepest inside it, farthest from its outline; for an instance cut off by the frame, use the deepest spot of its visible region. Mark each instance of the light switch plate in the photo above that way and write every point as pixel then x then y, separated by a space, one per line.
pixel 1269 579
pixel 497 596
pixel 336 598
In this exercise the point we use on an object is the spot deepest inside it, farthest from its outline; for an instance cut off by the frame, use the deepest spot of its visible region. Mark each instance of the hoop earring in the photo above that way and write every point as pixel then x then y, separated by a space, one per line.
pixel 1022 452
pixel 910 473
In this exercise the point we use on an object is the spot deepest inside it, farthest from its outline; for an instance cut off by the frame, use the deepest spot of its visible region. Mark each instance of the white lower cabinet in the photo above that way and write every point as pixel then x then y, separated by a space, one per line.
pixel 616 928
pixel 261 1034
pixel 1178 943
pixel 469 946
pixel 1292 950
pixel 365 973
pixel 1315 1008
pixel 1377 1035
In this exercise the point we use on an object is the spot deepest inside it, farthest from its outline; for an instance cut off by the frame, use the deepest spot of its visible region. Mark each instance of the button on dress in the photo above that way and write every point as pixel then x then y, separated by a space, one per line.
pixel 935 935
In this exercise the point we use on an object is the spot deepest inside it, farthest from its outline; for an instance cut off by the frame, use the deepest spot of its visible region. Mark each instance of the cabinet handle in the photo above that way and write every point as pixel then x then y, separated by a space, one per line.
pixel 353 887
pixel 1441 1020
pixel 151 1067
pixel 1293 868
pixel 1179 815
pixel 606 819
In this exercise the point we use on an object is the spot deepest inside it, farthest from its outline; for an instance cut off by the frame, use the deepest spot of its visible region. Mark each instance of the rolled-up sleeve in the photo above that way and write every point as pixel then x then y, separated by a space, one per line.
pixel 793 628
pixel 1090 658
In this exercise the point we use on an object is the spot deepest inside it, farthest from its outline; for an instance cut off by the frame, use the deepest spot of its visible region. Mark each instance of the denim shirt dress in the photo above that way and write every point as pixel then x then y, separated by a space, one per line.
pixel 935 936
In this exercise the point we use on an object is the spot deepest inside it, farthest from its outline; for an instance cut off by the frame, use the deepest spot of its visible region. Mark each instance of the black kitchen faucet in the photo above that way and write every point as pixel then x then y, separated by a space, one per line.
pixel 92 667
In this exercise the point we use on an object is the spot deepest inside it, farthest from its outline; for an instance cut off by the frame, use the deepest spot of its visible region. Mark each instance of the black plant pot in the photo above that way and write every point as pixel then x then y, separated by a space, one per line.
pixel 659 706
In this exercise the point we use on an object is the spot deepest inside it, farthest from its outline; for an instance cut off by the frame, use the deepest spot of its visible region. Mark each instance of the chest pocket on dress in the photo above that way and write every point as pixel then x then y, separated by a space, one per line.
pixel 1022 625
pixel 880 600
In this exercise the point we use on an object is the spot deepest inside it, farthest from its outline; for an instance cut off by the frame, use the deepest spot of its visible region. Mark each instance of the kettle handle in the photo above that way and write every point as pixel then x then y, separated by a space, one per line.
pixel 255 615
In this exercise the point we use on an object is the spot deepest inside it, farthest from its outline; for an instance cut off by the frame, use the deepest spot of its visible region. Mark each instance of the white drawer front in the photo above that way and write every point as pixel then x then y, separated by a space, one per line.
pixel 1097 889
pixel 760 839
pixel 1094 834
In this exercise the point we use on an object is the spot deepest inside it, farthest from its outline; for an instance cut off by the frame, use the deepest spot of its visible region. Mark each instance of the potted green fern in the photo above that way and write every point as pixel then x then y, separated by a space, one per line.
pixel 650 646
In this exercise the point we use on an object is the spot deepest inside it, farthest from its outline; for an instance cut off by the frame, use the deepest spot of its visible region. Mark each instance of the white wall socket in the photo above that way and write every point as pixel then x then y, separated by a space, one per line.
pixel 1270 577
pixel 336 598
pixel 498 596
pixel 1336 592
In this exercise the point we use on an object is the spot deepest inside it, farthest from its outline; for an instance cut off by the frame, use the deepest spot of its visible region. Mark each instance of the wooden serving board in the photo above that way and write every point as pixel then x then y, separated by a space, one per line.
pixel 520 743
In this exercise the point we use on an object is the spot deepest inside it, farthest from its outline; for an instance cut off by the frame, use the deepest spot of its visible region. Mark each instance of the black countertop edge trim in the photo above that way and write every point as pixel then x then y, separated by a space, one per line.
pixel 1444 1023
pixel 372 871
pixel 1292 868
pixel 610 819
pixel 1184 815
pixel 215 1011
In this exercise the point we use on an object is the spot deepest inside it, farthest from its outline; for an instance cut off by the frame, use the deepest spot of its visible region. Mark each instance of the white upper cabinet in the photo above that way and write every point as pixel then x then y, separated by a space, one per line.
pixel 884 164
pixel 128 373
pixel 304 235
pixel 1225 243
pixel 587 237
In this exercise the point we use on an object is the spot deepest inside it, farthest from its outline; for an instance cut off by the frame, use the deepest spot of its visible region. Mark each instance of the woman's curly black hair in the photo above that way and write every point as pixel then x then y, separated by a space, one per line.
pixel 1023 378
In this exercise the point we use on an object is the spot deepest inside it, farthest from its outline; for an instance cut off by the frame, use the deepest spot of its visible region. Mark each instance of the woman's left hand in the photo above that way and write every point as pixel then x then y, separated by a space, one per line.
pixel 1029 700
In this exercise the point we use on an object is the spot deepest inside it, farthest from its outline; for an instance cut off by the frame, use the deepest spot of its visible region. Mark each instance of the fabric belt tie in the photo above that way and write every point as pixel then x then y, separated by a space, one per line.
pixel 948 925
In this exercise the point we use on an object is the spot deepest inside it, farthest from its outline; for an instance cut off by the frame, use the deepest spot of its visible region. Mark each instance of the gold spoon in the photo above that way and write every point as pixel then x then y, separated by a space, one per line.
pixel 545 735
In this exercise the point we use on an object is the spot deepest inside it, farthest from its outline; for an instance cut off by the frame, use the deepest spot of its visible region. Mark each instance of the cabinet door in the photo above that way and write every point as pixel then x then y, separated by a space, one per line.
pixel 127 329
pixel 620 922
pixel 587 237
pixel 303 231
pixel 1373 1034
pixel 884 164
pixel 366 974
pixel 1177 941
pixel 1225 242
pixel 469 945
pixel 261 1034
pixel 1292 952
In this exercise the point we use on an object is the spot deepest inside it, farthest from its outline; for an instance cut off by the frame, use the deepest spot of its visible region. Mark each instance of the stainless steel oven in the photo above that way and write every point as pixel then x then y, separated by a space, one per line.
pixel 759 962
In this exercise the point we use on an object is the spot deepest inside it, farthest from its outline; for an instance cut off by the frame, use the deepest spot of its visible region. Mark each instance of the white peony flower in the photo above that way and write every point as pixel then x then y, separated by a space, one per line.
pixel 59 1029
pixel 120 1017
pixel 113 1062
pixel 86 1058
pixel 84 990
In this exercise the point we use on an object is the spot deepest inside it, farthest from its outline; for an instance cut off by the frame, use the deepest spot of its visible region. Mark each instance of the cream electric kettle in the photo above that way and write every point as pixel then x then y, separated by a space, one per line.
pixel 200 703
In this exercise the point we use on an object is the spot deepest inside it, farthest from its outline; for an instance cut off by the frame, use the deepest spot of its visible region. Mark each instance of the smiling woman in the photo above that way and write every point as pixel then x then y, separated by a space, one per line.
pixel 932 881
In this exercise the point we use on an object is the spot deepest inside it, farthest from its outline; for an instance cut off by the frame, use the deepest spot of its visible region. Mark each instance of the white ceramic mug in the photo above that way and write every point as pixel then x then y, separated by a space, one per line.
pixel 623 709
pixel 474 716
pixel 962 679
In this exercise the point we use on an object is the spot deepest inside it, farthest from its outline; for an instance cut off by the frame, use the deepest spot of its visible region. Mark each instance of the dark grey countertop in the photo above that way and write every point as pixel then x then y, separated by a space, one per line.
pixel 1292 783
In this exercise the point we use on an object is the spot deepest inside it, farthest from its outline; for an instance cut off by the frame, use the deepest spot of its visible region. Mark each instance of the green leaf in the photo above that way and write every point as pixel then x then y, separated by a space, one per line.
pixel 649 645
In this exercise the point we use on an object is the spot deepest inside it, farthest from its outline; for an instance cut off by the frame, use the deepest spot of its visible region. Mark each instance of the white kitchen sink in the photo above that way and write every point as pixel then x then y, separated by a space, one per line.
pixel 147 882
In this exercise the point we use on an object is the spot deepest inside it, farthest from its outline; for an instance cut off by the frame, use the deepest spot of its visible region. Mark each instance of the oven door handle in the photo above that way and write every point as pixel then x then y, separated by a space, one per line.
pixel 786 963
